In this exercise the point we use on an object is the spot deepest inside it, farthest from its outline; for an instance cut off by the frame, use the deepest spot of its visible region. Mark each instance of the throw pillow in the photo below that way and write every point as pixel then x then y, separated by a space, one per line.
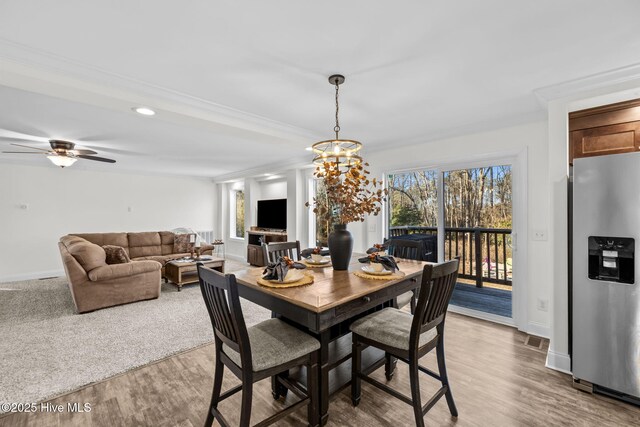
pixel 182 244
pixel 116 254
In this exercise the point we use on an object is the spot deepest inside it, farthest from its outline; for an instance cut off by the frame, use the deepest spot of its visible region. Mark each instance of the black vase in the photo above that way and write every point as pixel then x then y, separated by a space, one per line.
pixel 340 247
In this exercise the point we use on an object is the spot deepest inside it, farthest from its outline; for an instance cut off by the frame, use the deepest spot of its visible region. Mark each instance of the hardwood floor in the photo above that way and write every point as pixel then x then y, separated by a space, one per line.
pixel 496 381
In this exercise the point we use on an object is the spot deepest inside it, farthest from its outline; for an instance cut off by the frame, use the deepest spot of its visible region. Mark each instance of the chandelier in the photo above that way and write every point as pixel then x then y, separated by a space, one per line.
pixel 340 152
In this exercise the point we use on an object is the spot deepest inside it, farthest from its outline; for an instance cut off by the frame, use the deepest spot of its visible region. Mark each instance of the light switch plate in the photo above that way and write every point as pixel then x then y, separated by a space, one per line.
pixel 540 235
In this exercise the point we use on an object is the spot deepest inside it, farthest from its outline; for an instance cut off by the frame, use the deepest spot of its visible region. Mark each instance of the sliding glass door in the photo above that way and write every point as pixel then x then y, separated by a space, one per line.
pixel 464 213
pixel 478 222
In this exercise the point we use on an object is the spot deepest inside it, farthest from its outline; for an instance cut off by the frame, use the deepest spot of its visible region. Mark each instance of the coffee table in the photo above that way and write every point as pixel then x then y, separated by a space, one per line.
pixel 182 272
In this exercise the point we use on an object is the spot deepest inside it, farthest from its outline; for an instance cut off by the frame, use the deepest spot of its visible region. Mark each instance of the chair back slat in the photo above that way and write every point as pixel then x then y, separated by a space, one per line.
pixel 438 283
pixel 220 294
pixel 273 251
pixel 407 249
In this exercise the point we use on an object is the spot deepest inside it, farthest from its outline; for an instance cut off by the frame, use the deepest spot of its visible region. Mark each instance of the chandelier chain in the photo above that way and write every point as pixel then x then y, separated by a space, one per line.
pixel 336 129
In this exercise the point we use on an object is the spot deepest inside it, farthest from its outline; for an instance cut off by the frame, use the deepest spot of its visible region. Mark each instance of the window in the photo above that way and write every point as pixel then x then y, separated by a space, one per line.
pixel 318 230
pixel 322 227
pixel 236 220
pixel 413 202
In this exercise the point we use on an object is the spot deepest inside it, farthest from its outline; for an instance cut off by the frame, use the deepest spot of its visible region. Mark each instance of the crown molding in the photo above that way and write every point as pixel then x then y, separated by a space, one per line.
pixel 300 162
pixel 617 77
pixel 26 68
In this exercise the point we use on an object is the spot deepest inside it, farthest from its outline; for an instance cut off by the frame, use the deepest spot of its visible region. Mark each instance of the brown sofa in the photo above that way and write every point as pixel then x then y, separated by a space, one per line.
pixel 94 284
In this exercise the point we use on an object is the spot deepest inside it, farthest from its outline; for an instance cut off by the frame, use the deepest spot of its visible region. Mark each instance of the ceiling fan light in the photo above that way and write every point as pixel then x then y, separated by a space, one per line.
pixel 62 161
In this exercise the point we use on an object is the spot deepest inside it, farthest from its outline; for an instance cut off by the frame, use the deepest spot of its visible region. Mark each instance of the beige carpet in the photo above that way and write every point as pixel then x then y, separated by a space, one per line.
pixel 46 349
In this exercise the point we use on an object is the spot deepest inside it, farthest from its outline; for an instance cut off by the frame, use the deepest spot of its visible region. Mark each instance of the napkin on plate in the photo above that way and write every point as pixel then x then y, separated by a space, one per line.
pixel 278 270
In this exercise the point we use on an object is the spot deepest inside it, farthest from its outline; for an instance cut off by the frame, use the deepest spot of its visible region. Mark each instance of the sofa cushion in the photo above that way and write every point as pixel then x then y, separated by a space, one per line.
pixel 101 239
pixel 89 256
pixel 70 239
pixel 116 271
pixel 115 254
pixel 182 243
pixel 166 239
pixel 144 244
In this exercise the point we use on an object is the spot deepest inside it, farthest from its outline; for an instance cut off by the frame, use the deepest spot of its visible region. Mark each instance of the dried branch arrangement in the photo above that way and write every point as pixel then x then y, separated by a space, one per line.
pixel 350 195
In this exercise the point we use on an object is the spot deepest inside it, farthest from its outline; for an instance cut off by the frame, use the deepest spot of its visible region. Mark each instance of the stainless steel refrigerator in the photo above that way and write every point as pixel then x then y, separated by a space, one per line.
pixel 606 300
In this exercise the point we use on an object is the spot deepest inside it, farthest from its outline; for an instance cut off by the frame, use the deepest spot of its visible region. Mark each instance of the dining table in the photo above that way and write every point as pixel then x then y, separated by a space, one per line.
pixel 325 309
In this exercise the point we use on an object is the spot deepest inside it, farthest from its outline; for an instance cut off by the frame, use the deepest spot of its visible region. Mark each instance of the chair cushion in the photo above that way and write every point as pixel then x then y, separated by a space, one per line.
pixel 391 327
pixel 404 299
pixel 273 343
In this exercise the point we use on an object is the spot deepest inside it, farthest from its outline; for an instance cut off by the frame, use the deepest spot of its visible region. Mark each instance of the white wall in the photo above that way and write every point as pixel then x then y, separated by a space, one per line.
pixel 273 189
pixel 61 201
pixel 530 140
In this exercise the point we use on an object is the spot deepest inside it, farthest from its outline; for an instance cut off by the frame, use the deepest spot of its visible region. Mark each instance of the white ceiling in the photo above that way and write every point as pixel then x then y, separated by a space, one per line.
pixel 241 85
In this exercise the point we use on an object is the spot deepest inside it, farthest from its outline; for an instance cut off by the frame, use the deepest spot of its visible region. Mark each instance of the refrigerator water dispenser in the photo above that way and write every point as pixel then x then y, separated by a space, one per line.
pixel 611 259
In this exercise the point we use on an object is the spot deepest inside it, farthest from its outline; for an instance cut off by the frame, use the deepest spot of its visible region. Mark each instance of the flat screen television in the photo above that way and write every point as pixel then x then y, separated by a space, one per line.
pixel 272 214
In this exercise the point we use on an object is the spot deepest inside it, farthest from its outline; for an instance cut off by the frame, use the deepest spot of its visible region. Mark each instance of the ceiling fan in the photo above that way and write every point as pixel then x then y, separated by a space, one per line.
pixel 62 153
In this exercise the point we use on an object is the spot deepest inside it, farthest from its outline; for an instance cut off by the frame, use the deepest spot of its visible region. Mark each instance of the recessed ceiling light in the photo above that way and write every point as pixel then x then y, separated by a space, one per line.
pixel 268 174
pixel 308 148
pixel 144 111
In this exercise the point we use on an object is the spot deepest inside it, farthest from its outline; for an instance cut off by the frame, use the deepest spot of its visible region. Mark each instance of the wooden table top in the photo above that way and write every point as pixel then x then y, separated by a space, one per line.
pixel 330 288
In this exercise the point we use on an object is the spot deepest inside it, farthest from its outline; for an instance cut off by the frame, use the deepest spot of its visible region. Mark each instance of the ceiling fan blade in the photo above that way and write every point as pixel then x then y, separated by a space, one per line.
pixel 99 159
pixel 29 147
pixel 23 152
pixel 84 152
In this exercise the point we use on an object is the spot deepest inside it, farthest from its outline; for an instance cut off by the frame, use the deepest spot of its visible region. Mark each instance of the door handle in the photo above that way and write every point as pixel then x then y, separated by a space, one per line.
pixel 366 299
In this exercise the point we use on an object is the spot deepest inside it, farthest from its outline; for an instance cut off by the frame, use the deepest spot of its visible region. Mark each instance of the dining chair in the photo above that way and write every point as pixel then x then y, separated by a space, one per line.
pixel 407 249
pixel 272 251
pixel 408 338
pixel 265 350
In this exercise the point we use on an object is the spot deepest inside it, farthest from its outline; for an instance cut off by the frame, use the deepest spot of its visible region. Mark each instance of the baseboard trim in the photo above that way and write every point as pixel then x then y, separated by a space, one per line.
pixel 558 362
pixel 538 329
pixel 481 315
pixel 32 276
pixel 236 257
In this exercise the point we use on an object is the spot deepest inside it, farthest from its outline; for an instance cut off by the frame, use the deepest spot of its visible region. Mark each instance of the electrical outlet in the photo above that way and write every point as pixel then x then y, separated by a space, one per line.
pixel 540 235
pixel 372 227
pixel 543 304
pixel 23 206
pixel 129 209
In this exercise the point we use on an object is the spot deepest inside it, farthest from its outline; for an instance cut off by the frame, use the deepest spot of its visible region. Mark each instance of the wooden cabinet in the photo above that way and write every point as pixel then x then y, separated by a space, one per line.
pixel 613 139
pixel 611 129
pixel 255 238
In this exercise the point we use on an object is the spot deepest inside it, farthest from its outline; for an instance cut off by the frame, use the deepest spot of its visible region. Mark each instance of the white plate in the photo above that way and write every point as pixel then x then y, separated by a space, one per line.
pixel 325 260
pixel 293 275
pixel 367 269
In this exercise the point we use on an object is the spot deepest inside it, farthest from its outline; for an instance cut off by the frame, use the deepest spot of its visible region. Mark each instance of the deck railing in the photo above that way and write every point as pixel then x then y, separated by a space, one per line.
pixel 485 253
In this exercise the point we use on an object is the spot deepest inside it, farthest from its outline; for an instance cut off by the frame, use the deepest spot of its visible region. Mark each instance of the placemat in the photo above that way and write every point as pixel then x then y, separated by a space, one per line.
pixel 310 265
pixel 307 279
pixel 396 275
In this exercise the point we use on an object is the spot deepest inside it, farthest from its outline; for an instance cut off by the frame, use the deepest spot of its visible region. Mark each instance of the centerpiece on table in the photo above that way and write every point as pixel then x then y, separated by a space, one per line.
pixel 349 197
